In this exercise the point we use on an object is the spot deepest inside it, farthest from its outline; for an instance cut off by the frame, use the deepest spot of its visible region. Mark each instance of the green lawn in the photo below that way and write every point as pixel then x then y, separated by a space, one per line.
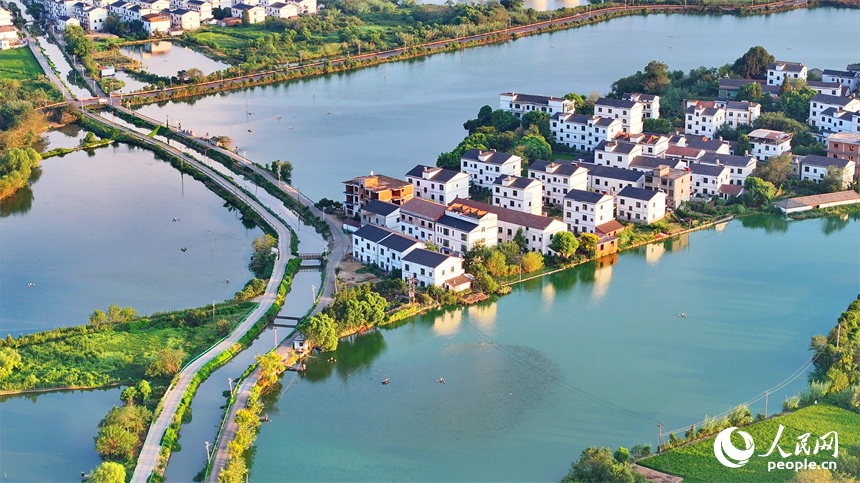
pixel 696 462
pixel 19 64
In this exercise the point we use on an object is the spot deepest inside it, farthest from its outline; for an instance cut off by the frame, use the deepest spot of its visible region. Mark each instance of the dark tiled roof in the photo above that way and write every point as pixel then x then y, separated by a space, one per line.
pixel 426 258
pixel 516 182
pixel 632 96
pixel 564 168
pixel 604 101
pixel 457 223
pixel 441 175
pixel 615 173
pixel 495 157
pixel 616 147
pixel 638 193
pixel 823 85
pixel 509 216
pixel 382 182
pixel 734 84
pixel 606 121
pixel 706 169
pixel 712 145
pixel 532 99
pixel 838 73
pixel 832 100
pixel 380 207
pixel 650 162
pixel 786 66
pixel 373 233
pixel 585 196
pixel 398 242
pixel 731 189
pixel 423 208
pixel 571 118
pixel 823 161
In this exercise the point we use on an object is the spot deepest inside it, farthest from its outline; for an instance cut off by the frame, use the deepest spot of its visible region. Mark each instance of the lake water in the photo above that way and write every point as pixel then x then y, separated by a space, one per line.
pixel 96 229
pixel 541 5
pixel 49 436
pixel 589 356
pixel 166 58
pixel 389 118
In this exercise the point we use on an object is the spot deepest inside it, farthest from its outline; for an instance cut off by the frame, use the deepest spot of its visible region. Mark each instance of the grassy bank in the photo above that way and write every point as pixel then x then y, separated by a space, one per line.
pixel 19 65
pixel 102 354
pixel 696 462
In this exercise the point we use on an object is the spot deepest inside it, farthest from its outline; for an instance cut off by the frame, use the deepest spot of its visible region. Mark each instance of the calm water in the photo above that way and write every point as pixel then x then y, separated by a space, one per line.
pixel 206 406
pixel 535 4
pixel 389 118
pixel 97 229
pixel 534 377
pixel 49 437
pixel 166 58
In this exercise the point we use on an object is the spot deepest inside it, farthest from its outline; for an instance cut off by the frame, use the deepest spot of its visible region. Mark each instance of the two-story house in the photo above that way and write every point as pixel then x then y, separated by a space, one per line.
pixel 650 104
pixel 381 213
pixel 418 218
pixel 537 230
pixel 375 245
pixel 707 179
pixel 584 211
pixel 778 71
pixel 558 177
pixel 428 268
pixel 461 228
pixel 485 167
pixel 844 145
pixel 607 179
pixel 518 193
pixel 520 104
pixel 676 183
pixel 630 113
pixel 362 189
pixel 583 133
pixel 822 102
pixel 702 118
pixel 739 112
pixel 616 154
pixel 438 184
pixel 767 143
pixel 815 168
pixel 639 205
pixel 740 167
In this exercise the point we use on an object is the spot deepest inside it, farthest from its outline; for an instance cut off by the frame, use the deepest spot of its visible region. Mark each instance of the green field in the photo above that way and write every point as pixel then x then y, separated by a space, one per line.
pixel 19 64
pixel 696 462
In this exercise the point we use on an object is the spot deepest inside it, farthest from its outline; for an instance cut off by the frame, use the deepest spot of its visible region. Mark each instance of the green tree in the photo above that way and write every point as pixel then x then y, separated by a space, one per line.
pixel 759 191
pixel 166 362
pixel 504 120
pixel 750 92
pixel 795 103
pixel 128 395
pixel 144 390
pixel 246 18
pixel 540 120
pixel 754 63
pixel 833 180
pixel 115 443
pixel 785 87
pixel 744 146
pixel 778 121
pixel 588 243
pixel 77 43
pixel 564 243
pixel 535 147
pixel 321 330
pixel 233 472
pixel 108 472
pixel 520 240
pixel 271 366
pixel 10 360
pixel 658 126
pixel 496 264
pixel 776 170
pixel 621 455
pixel 598 465
pixel 287 172
pixel 532 262
pixel 486 283
pixel 656 78
pixel 97 317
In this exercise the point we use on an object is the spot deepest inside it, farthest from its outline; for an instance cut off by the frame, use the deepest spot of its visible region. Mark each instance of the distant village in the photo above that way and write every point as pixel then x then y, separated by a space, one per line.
pixel 168 17
pixel 629 176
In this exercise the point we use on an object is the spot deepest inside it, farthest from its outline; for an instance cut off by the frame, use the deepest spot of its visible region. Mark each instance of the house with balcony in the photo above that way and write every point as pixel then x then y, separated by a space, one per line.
pixel 485 166
pixel 739 112
pixel 418 218
pixel 740 167
pixel 520 104
pixel 707 179
pixel 362 189
pixel 846 78
pixel 822 102
pixel 583 133
pixel 184 19
pixel 767 143
pixel 375 245
pixel 558 177
pixel 438 184
pixel 461 228
pixel 518 193
pixel 584 210
pixel 537 230
pixel 256 13
pixel 616 154
pixel 650 104
pixel 778 71
pixel 630 113
pixel 844 145
pixel 638 205
pixel 702 118
pixel 652 144
pixel 838 120
pixel 676 183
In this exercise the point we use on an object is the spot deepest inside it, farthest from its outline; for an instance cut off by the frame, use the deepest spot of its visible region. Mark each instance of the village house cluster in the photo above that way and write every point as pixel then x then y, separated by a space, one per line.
pixel 169 17
pixel 8 32
pixel 625 175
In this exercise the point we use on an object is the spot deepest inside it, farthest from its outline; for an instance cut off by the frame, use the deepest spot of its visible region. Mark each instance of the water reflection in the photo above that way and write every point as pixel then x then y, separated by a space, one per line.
pixel 22 201
pixel 448 322
pixel 833 224
pixel 354 355
pixel 603 275
pixel 483 314
pixel 770 224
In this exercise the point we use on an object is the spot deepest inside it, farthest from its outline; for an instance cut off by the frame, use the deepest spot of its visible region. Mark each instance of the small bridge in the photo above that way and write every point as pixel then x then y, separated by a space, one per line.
pixel 289 322
pixel 310 256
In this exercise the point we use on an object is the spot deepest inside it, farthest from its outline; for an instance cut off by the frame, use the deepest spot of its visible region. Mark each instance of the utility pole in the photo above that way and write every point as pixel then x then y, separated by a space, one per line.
pixel 276 337
pixel 208 456
pixel 660 438
pixel 838 334
pixel 230 382
pixel 766 394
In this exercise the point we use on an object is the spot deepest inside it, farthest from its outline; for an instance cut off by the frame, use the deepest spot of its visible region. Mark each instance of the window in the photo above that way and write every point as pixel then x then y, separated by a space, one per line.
pixel 422 271
pixel 622 201
pixel 406 267
pixel 584 218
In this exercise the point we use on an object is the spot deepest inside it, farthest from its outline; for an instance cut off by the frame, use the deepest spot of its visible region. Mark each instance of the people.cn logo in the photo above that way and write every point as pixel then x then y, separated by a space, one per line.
pixel 725 451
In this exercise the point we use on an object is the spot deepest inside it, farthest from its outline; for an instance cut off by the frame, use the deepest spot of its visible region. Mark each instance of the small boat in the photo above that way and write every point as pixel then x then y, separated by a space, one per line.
pixel 250 130
pixel 385 382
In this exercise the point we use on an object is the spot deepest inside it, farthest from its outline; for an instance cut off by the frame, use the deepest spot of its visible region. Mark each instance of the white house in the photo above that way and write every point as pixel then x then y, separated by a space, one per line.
pixel 585 210
pixel 156 23
pixel 707 179
pixel 740 167
pixel 739 112
pixel 607 179
pixel 650 104
pixel 616 154
pixel 778 71
pixel 630 112
pixel 652 144
pixel 5 17
pixel 64 21
pixel 418 218
pixel 431 268
pixel 382 247
pixel 203 7
pixel 256 13
pixel 520 104
pixel 381 213
pixel 461 228
pixel 823 102
pixel 518 193
pixel 829 88
pixel 582 132
pixel 836 120
pixel 538 230
pixel 639 205
pixel 558 177
pixel 92 18
pixel 485 166
pixel 305 7
pixel 815 168
pixel 282 10
pixel 703 120
pixel 393 248
pixel 437 184
pixel 767 143
pixel 184 19
pixel 847 78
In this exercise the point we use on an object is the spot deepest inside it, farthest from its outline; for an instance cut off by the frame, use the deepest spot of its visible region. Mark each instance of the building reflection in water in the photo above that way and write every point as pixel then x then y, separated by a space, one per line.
pixel 447 322
pixel 602 275
pixel 483 314
pixel 547 293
